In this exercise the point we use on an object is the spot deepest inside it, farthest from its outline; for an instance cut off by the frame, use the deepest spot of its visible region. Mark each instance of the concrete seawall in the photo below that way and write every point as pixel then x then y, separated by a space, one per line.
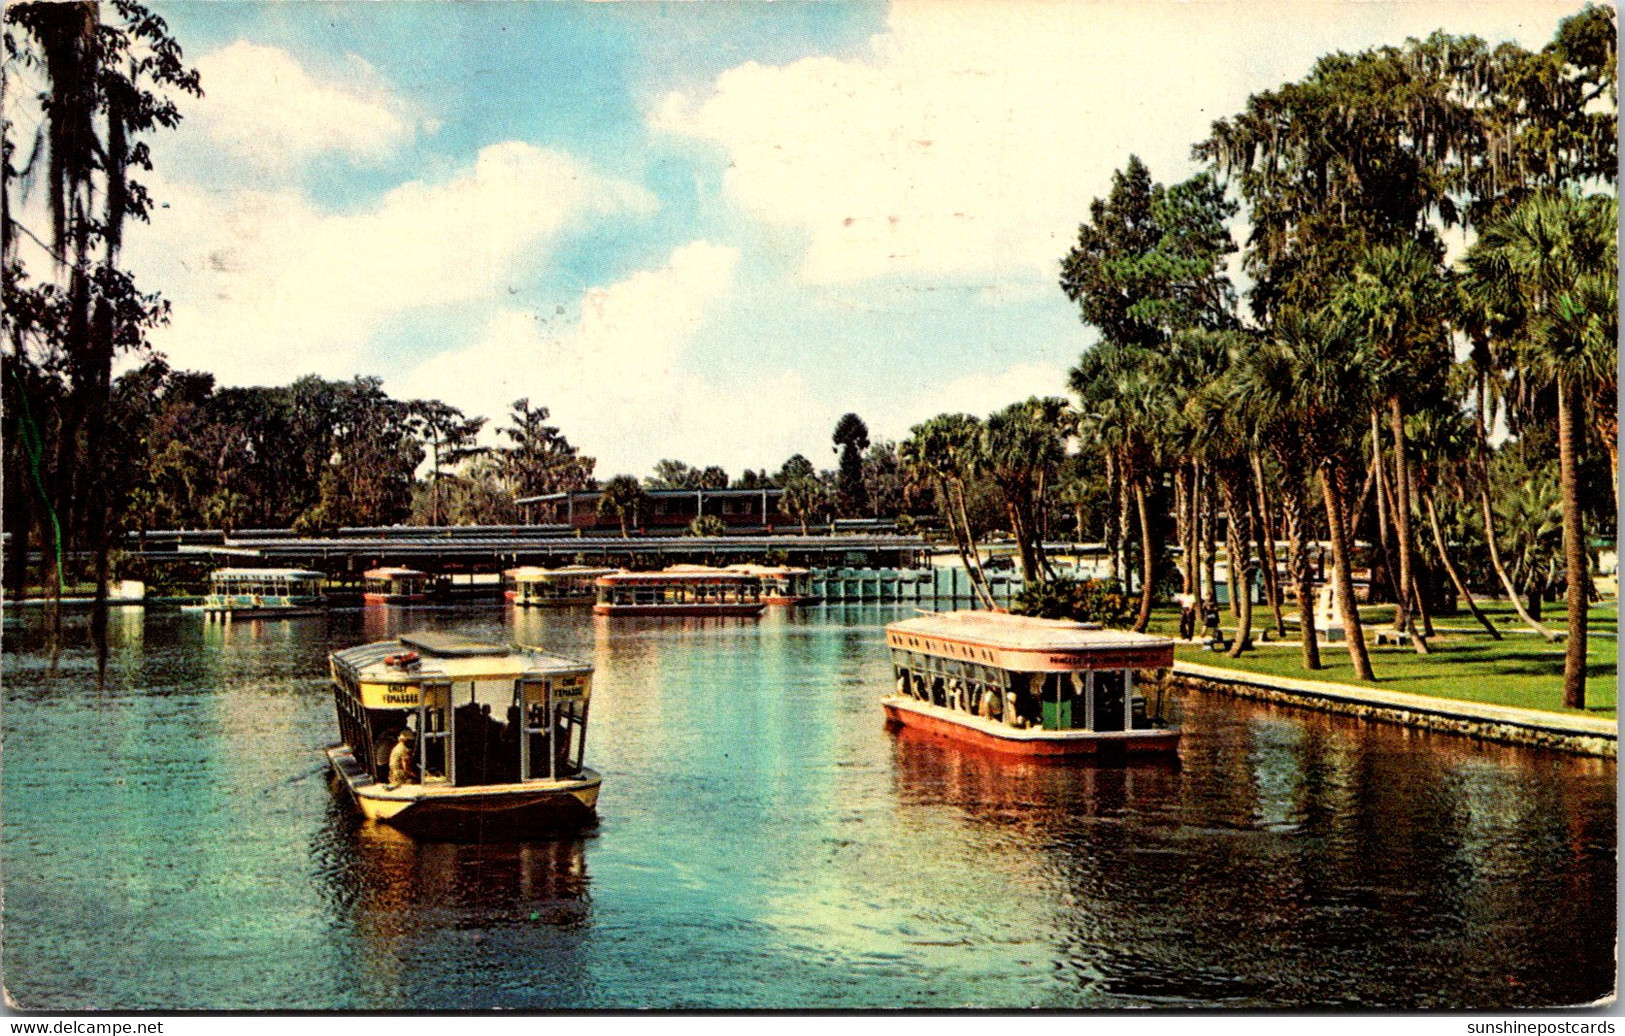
pixel 1564 732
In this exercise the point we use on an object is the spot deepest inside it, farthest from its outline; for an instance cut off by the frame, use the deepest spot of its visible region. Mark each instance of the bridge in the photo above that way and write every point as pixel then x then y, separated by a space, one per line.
pixel 490 549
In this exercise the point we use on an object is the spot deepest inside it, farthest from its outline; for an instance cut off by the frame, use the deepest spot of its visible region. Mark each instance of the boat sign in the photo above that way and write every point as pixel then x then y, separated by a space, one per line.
pixel 389 695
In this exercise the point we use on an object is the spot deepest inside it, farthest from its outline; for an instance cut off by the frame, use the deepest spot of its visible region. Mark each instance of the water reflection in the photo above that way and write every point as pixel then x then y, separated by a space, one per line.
pixel 418 919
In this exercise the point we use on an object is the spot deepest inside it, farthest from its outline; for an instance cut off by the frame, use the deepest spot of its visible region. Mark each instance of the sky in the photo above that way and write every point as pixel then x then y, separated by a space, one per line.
pixel 697 230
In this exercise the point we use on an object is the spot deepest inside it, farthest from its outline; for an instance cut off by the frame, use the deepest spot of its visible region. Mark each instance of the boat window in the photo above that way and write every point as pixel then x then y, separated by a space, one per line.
pixel 1110 711
pixel 384 728
pixel 569 737
pixel 1026 710
pixel 486 746
pixel 437 761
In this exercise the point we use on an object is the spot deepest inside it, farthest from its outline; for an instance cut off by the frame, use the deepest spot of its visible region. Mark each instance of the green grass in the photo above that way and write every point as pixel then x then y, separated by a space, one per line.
pixel 1466 664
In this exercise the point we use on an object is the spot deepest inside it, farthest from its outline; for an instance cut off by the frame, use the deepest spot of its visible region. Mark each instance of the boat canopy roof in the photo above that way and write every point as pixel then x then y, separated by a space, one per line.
pixel 389 573
pixel 1021 633
pixel 679 574
pixel 769 570
pixel 449 656
pixel 248 574
pixel 570 571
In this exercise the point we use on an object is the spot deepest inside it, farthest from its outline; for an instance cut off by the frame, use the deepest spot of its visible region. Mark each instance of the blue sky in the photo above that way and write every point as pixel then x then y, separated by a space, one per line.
pixel 702 230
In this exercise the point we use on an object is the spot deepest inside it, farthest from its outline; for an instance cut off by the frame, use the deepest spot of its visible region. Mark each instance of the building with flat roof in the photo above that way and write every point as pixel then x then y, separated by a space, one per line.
pixel 666 511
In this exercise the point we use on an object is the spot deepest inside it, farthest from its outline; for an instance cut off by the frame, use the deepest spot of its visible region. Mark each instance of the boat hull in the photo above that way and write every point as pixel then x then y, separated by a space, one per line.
pixel 230 614
pixel 483 812
pixel 377 598
pixel 745 610
pixel 988 734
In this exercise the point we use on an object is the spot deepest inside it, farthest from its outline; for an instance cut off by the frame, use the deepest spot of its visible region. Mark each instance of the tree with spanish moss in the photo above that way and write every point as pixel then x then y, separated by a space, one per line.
pixel 106 78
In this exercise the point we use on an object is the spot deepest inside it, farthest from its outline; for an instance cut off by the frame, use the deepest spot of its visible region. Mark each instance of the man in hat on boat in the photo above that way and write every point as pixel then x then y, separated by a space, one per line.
pixel 402 759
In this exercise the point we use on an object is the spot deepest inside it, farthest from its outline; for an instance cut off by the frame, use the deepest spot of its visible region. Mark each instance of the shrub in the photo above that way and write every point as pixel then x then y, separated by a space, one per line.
pixel 1082 600
pixel 706 525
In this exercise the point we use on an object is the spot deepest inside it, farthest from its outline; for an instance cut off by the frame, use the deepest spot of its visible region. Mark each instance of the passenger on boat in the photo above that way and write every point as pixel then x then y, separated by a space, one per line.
pixel 403 767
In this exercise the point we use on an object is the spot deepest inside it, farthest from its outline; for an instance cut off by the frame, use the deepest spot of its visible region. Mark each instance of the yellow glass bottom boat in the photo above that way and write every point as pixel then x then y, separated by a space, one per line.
pixel 445 737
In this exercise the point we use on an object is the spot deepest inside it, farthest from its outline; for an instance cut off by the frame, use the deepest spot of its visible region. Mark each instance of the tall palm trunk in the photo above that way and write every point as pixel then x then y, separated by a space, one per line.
pixel 1266 544
pixel 1302 572
pixel 1238 543
pixel 970 553
pixel 1421 579
pixel 1384 509
pixel 1206 548
pixel 1450 569
pixel 1147 557
pixel 1183 510
pixel 1342 581
pixel 1402 525
pixel 1575 555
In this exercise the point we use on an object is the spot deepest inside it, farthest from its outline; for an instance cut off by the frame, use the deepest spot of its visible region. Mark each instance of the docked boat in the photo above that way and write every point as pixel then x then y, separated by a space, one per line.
pixel 394 586
pixel 447 737
pixel 1029 686
pixel 531 587
pixel 680 590
pixel 263 593
pixel 781 584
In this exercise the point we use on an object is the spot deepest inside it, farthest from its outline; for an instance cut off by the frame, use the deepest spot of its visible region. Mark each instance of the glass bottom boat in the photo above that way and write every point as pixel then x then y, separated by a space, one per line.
pixel 445 737
pixel 687 590
pixel 394 586
pixel 1027 686
pixel 262 593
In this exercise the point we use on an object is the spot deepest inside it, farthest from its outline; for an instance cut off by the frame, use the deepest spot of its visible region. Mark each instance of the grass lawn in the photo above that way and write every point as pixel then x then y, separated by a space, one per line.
pixel 1521 669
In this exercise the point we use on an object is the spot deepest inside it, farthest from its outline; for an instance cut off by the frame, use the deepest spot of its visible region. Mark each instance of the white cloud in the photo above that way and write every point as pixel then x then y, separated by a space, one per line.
pixel 972 138
pixel 262 105
pixel 266 287
pixel 619 381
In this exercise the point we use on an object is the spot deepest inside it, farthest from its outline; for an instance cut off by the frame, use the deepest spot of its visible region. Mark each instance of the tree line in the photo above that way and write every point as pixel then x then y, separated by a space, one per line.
pixel 1448 413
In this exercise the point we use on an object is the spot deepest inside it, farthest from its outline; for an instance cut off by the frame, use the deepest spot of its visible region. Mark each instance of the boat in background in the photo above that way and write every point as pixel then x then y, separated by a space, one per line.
pixel 1028 686
pixel 530 586
pixel 781 584
pixel 263 593
pixel 394 586
pixel 498 736
pixel 680 590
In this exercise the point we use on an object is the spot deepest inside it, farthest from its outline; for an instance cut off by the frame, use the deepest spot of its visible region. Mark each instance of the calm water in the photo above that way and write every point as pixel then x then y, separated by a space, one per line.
pixel 171 841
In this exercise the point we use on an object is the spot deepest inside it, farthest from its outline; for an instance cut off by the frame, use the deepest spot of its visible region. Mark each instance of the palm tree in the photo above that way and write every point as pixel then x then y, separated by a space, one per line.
pixel 1546 269
pixel 1475 317
pixel 1532 511
pixel 1222 437
pixel 623 497
pixel 1301 382
pixel 1125 413
pixel 1024 445
pixel 804 498
pixel 1397 301
pixel 1443 445
pixel 947 449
